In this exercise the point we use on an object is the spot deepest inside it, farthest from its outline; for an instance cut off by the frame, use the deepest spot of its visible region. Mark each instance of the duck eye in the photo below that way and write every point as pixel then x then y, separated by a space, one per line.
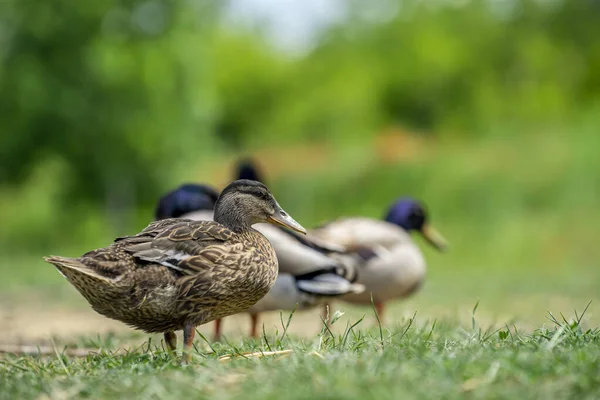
pixel 417 218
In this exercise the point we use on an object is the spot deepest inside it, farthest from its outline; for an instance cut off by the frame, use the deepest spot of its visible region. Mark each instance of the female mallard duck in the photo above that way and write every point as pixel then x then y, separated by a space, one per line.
pixel 178 274
pixel 307 276
pixel 394 266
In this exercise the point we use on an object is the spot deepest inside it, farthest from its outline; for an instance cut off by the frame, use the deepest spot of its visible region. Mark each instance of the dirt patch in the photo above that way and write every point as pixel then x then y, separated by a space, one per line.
pixel 38 320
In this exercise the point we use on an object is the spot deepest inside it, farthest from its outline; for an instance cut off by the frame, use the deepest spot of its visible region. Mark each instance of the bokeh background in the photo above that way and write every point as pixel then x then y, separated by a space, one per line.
pixel 486 110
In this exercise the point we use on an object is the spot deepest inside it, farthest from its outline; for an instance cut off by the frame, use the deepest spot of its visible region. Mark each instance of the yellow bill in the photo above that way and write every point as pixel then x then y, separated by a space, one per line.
pixel 282 218
pixel 434 237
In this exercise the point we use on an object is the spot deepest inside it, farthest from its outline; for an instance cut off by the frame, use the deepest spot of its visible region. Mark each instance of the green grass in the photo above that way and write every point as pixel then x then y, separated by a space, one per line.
pixel 416 359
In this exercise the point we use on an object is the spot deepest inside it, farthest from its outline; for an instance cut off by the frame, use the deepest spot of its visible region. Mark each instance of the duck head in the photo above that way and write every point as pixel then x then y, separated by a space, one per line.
pixel 185 199
pixel 411 215
pixel 247 169
pixel 244 203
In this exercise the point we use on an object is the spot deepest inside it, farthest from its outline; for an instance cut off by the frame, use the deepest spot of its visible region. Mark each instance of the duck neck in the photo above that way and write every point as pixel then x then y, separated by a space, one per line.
pixel 229 213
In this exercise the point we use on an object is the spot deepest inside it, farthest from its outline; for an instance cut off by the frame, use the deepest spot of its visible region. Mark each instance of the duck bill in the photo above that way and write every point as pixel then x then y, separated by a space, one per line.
pixel 434 238
pixel 282 218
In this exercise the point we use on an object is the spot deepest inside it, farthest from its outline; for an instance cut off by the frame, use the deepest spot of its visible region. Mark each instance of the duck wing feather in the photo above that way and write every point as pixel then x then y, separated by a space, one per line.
pixel 184 245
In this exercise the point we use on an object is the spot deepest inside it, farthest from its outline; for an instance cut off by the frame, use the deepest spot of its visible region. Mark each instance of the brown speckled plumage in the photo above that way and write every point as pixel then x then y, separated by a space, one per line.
pixel 177 274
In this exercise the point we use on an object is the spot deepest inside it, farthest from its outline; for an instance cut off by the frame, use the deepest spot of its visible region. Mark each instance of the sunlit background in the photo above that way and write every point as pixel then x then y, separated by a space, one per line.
pixel 488 111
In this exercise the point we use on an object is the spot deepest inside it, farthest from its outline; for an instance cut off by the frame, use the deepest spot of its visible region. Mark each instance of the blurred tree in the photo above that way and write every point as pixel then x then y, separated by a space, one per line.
pixel 248 81
pixel 123 90
pixel 121 95
pixel 104 86
pixel 439 65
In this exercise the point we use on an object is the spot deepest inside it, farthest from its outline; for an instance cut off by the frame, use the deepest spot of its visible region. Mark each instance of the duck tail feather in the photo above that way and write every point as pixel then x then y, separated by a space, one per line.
pixel 66 265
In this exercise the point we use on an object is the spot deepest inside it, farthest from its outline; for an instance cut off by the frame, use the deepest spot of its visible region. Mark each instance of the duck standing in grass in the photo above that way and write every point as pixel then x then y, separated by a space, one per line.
pixel 178 274
pixel 307 276
pixel 394 266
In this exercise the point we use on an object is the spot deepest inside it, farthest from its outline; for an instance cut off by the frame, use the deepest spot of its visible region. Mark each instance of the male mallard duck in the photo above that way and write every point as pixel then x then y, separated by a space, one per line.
pixel 246 168
pixel 307 276
pixel 186 198
pixel 394 266
pixel 178 274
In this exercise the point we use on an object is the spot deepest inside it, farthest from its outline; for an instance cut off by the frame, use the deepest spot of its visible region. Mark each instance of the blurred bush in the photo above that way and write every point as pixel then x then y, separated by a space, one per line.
pixel 106 87
pixel 109 103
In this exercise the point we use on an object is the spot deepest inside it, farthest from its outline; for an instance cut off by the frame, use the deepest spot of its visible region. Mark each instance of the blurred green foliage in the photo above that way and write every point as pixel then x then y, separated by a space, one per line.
pixel 106 105
pixel 105 88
